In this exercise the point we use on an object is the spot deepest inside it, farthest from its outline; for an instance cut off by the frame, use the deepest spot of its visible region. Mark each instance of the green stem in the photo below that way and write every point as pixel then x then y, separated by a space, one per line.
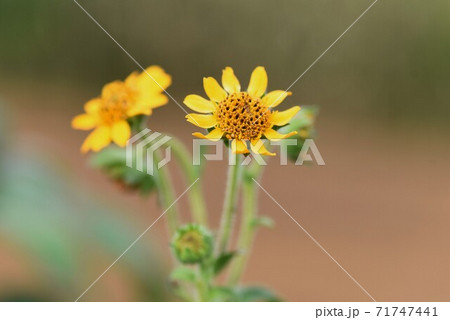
pixel 166 194
pixel 204 284
pixel 247 233
pixel 163 181
pixel 229 206
pixel 195 194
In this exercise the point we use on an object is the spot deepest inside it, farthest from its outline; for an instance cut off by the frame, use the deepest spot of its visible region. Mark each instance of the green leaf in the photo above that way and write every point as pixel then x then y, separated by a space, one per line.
pixel 222 261
pixel 221 294
pixel 184 274
pixel 253 294
pixel 243 294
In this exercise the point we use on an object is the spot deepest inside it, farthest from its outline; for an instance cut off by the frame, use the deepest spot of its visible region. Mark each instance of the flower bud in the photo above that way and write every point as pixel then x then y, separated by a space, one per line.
pixel 192 243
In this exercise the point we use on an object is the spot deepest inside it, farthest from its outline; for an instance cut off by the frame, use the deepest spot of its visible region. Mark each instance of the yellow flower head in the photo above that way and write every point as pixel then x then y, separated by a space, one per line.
pixel 119 101
pixel 240 116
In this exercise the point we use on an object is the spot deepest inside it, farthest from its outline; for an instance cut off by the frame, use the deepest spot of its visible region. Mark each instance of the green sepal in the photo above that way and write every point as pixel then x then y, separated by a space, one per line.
pixel 137 122
pixel 112 161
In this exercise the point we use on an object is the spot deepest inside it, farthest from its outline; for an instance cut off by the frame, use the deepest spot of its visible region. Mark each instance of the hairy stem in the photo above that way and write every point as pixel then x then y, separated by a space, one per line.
pixel 247 231
pixel 163 182
pixel 166 194
pixel 229 206
pixel 195 194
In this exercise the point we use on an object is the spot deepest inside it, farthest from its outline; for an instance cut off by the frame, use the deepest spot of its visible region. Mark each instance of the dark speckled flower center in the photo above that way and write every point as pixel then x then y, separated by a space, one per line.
pixel 242 117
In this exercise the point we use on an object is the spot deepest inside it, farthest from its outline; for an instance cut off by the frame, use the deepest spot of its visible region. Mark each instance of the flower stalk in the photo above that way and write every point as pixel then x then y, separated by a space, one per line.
pixel 166 194
pixel 229 205
pixel 249 215
pixel 195 194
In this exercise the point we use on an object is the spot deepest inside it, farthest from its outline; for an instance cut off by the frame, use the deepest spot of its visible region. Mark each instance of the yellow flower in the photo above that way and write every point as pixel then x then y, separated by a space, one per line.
pixel 240 116
pixel 139 94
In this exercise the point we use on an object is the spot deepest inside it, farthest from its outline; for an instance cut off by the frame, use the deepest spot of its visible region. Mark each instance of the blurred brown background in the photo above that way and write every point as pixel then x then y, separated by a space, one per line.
pixel 380 206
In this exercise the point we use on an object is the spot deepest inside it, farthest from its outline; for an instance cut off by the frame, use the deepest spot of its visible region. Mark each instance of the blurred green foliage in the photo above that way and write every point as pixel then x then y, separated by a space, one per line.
pixel 68 236
pixel 393 64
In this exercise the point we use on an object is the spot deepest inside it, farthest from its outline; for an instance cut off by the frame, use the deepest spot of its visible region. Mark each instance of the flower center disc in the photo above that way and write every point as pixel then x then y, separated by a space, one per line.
pixel 116 104
pixel 191 240
pixel 242 117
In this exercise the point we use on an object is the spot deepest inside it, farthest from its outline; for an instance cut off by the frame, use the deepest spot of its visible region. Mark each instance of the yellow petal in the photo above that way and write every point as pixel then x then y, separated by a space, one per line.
pixel 281 118
pixel 97 139
pixel 214 135
pixel 258 82
pixel 199 104
pixel 213 89
pixel 229 81
pixel 149 86
pixel 257 146
pixel 154 79
pixel 131 80
pixel 159 100
pixel 93 105
pixel 120 133
pixel 202 120
pixel 111 89
pixel 275 136
pixel 238 146
pixel 147 100
pixel 274 98
pixel 84 121
pixel 137 110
